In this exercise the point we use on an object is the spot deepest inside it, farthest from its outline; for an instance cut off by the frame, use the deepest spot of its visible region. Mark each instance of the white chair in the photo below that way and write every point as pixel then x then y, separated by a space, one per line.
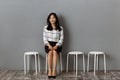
pixel 75 53
pixel 27 54
pixel 60 61
pixel 96 54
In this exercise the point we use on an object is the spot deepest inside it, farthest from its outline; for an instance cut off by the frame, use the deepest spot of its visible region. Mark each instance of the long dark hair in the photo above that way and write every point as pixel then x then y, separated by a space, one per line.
pixel 56 23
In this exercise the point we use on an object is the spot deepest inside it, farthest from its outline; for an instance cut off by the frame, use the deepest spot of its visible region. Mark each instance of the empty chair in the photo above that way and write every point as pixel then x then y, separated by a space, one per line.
pixel 36 55
pixel 96 56
pixel 75 54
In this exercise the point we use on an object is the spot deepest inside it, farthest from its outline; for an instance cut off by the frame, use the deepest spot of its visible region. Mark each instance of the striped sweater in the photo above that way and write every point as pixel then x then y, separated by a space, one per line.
pixel 54 35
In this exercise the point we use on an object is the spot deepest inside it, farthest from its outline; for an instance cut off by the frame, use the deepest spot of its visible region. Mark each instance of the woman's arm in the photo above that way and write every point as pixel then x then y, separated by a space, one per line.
pixel 60 42
pixel 45 38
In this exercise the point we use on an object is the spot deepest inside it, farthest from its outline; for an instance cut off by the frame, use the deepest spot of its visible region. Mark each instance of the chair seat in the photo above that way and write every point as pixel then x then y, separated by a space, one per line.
pixel 75 52
pixel 96 52
pixel 30 53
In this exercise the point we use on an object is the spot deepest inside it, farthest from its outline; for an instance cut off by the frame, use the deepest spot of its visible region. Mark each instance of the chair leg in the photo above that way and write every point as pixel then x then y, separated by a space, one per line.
pixel 36 63
pixel 24 64
pixel 39 62
pixel 58 67
pixel 76 63
pixel 88 62
pixel 94 63
pixel 46 63
pixel 67 62
pixel 104 63
pixel 61 62
pixel 83 63
pixel 97 61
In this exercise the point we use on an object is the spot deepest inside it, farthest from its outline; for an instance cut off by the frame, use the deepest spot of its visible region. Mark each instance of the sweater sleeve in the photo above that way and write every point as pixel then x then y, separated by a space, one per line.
pixel 60 42
pixel 45 36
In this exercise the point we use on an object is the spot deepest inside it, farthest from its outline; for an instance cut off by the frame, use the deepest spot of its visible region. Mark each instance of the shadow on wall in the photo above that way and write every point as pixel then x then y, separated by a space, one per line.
pixel 66 43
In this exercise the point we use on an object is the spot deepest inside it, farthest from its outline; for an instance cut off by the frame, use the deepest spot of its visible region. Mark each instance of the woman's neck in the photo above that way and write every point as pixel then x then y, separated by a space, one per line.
pixel 53 26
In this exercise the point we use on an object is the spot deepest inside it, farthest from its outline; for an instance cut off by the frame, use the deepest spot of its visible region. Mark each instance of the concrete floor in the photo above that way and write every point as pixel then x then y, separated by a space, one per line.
pixel 19 75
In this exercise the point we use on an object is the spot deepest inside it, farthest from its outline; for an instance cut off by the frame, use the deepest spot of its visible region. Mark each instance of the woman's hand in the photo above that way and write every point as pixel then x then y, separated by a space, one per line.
pixel 49 46
pixel 55 47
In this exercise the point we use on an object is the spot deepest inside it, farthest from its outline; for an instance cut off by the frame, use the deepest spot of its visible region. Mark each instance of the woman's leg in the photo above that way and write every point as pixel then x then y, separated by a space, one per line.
pixel 50 59
pixel 55 60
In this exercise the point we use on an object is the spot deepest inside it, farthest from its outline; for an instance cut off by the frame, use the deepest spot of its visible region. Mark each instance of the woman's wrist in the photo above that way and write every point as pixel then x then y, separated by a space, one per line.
pixel 48 44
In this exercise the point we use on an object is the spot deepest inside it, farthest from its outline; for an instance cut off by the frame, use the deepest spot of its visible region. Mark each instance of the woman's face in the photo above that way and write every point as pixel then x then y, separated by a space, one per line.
pixel 52 19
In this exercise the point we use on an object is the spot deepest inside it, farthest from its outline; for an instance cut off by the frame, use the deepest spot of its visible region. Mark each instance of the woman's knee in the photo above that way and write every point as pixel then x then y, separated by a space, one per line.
pixel 55 53
pixel 50 52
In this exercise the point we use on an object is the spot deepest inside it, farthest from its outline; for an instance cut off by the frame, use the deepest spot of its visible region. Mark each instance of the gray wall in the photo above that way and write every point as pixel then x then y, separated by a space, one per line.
pixel 88 25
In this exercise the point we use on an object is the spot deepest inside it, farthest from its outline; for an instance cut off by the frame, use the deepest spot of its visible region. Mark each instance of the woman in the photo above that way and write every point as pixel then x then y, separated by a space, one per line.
pixel 53 40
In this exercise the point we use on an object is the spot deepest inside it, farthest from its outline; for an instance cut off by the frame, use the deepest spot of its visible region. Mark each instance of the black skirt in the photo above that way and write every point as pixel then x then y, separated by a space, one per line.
pixel 58 50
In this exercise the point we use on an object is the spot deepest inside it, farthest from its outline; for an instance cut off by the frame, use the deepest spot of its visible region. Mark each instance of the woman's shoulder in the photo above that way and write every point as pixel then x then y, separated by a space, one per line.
pixel 45 26
pixel 61 27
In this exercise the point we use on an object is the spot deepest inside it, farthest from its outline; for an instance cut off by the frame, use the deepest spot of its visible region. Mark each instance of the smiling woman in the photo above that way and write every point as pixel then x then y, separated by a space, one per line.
pixel 53 40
